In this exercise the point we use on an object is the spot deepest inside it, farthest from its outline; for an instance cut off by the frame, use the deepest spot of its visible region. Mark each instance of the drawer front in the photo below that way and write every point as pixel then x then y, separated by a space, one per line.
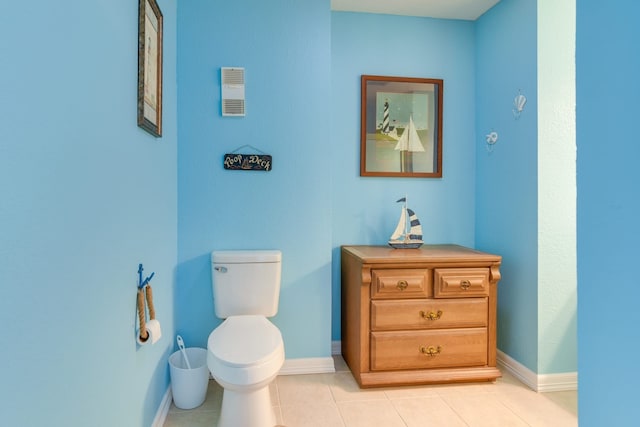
pixel 428 314
pixel 428 349
pixel 461 282
pixel 401 283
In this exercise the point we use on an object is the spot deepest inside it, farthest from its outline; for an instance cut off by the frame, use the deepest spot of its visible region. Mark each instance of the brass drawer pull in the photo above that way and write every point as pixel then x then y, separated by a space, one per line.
pixel 402 285
pixel 431 315
pixel 465 284
pixel 431 350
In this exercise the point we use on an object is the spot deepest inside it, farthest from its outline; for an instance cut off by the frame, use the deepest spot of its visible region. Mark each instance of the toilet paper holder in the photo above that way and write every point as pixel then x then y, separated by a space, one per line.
pixel 148 331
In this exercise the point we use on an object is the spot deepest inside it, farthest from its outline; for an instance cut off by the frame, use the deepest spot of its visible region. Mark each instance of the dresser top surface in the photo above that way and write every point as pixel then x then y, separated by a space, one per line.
pixel 440 253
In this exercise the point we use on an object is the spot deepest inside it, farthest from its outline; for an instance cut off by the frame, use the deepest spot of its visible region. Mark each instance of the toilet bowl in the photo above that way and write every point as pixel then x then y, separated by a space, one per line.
pixel 245 353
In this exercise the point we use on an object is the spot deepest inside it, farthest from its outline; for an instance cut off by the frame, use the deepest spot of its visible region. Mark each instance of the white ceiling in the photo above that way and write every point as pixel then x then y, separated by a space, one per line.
pixel 448 9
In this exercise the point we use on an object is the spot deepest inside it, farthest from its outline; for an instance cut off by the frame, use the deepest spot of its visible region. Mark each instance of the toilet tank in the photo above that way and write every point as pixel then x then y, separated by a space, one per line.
pixel 246 282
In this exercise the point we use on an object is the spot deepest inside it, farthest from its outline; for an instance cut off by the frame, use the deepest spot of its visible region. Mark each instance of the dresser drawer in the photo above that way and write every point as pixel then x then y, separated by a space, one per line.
pixel 428 314
pixel 401 283
pixel 461 282
pixel 428 349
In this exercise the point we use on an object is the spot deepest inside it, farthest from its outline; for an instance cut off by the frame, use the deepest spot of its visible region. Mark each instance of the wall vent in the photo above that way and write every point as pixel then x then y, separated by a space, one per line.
pixel 233 91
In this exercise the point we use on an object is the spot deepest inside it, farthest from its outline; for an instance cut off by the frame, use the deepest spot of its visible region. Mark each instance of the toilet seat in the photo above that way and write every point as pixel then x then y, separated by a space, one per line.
pixel 245 349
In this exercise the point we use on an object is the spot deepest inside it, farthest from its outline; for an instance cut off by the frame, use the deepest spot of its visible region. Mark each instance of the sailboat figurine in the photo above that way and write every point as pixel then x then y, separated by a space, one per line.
pixel 408 233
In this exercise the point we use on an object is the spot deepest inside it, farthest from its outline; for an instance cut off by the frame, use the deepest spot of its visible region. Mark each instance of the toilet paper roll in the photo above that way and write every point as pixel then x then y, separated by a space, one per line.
pixel 153 328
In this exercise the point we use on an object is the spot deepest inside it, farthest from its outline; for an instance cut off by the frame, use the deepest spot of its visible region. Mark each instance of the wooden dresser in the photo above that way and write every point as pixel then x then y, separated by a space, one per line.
pixel 419 316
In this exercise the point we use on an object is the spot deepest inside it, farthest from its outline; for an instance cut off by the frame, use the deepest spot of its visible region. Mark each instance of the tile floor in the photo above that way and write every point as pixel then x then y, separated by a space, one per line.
pixel 335 400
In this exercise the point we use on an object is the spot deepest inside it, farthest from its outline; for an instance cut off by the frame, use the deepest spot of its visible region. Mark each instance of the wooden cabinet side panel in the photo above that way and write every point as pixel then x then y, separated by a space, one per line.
pixel 493 314
pixel 355 314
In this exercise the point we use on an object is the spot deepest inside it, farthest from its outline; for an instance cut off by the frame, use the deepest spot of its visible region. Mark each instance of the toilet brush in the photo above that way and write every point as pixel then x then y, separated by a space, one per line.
pixel 182 350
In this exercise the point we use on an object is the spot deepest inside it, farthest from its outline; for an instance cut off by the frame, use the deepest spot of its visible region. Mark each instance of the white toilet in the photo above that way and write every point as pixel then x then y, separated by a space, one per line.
pixel 246 352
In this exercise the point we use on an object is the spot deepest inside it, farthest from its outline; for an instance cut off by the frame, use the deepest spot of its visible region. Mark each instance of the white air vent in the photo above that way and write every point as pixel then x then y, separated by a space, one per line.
pixel 232 91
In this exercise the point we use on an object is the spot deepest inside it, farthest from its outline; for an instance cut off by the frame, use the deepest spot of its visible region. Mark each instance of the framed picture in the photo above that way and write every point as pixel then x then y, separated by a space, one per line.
pixel 150 67
pixel 401 127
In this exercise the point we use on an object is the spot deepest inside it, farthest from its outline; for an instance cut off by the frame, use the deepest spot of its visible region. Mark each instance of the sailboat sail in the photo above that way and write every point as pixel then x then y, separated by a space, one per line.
pixel 415 232
pixel 410 140
pixel 408 232
pixel 402 226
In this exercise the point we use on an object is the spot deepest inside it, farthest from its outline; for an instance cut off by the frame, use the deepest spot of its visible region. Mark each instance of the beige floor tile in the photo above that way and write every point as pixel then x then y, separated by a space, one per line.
pixel 466 389
pixel 345 388
pixel 339 364
pixel 369 413
pixel 212 402
pixel 566 399
pixel 335 400
pixel 423 411
pixel 301 389
pixel 483 410
pixel 411 391
pixel 311 415
pixel 537 410
pixel 508 378
pixel 193 418
pixel 505 383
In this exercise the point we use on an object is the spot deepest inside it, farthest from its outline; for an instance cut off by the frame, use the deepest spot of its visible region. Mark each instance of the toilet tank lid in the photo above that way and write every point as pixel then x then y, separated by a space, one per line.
pixel 246 256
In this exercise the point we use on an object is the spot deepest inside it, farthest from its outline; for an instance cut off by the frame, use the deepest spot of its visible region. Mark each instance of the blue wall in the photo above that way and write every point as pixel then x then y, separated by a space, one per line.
pixel 506 178
pixel 86 195
pixel 608 210
pixel 285 49
pixel 364 209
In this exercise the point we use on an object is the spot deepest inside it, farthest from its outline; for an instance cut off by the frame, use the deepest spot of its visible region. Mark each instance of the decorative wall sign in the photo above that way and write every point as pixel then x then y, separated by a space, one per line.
pixel 247 162
pixel 150 67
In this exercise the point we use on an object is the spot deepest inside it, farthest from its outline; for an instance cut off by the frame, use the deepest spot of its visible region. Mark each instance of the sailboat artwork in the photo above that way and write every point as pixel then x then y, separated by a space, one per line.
pixel 401 127
pixel 408 143
pixel 408 232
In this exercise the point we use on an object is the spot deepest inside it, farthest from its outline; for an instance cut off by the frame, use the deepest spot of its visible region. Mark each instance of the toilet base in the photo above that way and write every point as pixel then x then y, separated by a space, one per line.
pixel 247 409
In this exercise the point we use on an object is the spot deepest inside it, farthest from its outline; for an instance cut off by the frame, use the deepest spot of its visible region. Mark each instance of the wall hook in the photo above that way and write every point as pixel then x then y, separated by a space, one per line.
pixel 518 104
pixel 145 282
pixel 491 138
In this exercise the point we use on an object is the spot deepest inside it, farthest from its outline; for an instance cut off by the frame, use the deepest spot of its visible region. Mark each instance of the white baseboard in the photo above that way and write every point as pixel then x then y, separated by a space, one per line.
pixel 163 409
pixel 540 383
pixel 309 365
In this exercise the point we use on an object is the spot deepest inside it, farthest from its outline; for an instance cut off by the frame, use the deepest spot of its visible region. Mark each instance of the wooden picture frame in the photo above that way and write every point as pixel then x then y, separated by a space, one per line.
pixel 150 67
pixel 401 127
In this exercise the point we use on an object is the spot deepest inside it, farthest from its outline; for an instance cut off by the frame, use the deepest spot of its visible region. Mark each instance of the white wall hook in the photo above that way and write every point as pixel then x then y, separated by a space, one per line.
pixel 491 138
pixel 518 105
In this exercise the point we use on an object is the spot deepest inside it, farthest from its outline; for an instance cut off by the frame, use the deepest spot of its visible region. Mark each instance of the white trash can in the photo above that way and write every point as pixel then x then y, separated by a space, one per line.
pixel 189 386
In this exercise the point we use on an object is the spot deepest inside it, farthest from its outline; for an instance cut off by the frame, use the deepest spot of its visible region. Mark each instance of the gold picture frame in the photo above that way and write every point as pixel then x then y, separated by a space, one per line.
pixel 401 127
pixel 150 67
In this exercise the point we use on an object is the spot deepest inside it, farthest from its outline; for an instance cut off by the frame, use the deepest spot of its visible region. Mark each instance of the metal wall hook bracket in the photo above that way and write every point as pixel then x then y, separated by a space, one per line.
pixel 145 282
